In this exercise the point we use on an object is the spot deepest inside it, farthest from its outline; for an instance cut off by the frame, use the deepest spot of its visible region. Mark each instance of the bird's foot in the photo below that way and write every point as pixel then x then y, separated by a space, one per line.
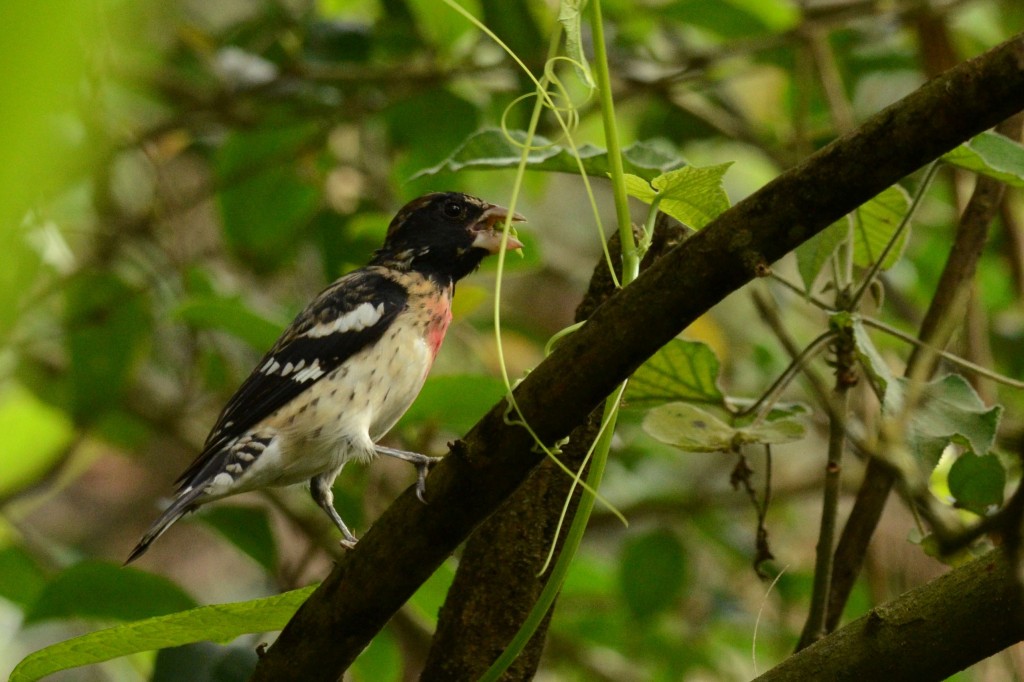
pixel 423 468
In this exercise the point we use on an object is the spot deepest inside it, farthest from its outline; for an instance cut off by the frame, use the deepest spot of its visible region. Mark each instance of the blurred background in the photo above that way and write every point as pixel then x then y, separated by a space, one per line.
pixel 178 178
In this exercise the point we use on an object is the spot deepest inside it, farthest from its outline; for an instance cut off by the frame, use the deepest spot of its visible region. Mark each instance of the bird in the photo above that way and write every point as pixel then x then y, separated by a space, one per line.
pixel 348 367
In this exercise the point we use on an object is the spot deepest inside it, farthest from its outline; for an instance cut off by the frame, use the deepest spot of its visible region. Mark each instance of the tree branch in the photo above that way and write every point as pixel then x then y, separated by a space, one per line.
pixel 928 633
pixel 411 539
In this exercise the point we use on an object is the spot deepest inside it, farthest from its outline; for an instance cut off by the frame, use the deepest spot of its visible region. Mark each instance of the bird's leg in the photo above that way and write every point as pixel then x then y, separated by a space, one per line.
pixel 320 489
pixel 423 464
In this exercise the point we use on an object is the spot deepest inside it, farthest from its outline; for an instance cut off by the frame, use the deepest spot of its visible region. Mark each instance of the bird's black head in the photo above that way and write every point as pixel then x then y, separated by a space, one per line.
pixel 445 234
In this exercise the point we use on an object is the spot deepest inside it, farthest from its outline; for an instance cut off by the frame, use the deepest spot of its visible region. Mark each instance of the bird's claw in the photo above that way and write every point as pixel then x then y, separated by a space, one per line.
pixel 423 468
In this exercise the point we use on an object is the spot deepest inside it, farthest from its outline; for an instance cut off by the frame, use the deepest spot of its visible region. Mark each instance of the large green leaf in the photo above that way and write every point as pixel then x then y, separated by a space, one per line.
pixel 218 623
pixel 229 315
pixel 735 18
pixel 944 410
pixel 652 573
pixel 381 661
pixel 23 579
pixel 692 429
pixel 443 28
pixel 106 591
pixel 693 196
pixel 35 435
pixel 977 482
pixel 454 401
pixel 265 199
pixel 45 59
pixel 247 528
pixel 874 226
pixel 491 149
pixel 681 370
pixel 205 662
pixel 452 119
pixel 22 264
pixel 993 155
pixel 814 254
pixel 106 324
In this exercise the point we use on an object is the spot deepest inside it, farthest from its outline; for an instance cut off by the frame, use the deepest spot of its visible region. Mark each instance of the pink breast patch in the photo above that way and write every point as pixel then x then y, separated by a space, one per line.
pixel 440 317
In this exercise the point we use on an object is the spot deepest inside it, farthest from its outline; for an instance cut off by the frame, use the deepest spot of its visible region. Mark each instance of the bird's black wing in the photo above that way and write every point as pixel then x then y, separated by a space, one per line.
pixel 351 314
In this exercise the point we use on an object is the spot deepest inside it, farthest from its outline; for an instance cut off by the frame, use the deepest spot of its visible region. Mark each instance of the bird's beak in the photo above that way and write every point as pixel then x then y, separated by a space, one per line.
pixel 487 230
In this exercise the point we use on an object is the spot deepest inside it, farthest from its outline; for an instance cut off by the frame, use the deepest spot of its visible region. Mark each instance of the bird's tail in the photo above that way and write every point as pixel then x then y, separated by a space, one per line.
pixel 183 504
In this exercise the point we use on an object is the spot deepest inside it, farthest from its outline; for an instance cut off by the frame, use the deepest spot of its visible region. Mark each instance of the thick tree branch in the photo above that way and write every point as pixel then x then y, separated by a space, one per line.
pixel 411 539
pixel 926 634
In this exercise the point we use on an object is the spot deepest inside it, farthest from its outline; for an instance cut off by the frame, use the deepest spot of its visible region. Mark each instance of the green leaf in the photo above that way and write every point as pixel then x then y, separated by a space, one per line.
pixel 229 315
pixel 205 662
pixel 689 428
pixel 570 13
pixel 681 370
pixel 102 590
pixel 219 623
pixel 735 19
pixel 265 199
pixel 875 223
pixel 23 579
pixel 405 118
pixel 247 528
pixel 977 482
pixel 490 149
pixel 652 573
pixel 381 661
pixel 692 429
pixel 427 600
pixel 814 254
pixel 442 27
pixel 779 410
pixel 772 432
pixel 35 435
pixel 993 155
pixel 455 402
pixel 693 196
pixel 870 359
pixel 22 265
pixel 946 410
pixel 107 323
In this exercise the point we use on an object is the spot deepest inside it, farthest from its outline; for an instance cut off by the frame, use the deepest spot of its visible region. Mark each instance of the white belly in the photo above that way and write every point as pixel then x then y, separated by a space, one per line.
pixel 358 403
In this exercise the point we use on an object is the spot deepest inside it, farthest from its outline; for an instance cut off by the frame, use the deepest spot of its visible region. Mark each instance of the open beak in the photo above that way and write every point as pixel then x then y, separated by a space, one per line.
pixel 487 230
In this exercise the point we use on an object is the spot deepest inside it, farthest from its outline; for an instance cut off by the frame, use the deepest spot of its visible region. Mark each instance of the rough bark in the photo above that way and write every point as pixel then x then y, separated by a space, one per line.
pixel 411 539
pixel 926 634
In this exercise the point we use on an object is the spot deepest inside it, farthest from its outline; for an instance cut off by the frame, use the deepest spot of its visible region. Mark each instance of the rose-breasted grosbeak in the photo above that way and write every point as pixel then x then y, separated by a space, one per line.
pixel 348 367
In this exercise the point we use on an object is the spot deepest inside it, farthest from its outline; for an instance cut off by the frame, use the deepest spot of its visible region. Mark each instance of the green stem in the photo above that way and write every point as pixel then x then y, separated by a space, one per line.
pixel 763 404
pixel 630 257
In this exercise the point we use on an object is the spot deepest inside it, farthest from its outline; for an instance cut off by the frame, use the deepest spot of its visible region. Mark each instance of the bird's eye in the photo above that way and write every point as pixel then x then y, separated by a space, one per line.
pixel 454 209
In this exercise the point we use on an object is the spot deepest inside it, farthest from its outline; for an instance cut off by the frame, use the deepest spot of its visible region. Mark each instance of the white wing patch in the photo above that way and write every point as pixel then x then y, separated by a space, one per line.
pixel 359 318
pixel 311 373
